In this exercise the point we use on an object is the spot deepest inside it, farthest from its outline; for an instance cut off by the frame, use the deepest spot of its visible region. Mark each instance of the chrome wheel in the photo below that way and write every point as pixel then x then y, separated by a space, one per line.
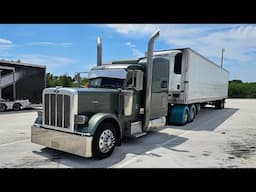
pixel 106 141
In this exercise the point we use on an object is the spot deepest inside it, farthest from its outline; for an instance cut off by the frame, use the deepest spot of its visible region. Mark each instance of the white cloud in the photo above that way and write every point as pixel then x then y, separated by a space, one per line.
pixel 50 61
pixel 129 44
pixel 5 44
pixel 53 63
pixel 134 28
pixel 5 41
pixel 46 43
pixel 207 39
pixel 136 52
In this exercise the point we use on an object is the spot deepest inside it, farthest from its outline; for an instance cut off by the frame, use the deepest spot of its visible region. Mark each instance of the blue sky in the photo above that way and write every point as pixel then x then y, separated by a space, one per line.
pixel 69 48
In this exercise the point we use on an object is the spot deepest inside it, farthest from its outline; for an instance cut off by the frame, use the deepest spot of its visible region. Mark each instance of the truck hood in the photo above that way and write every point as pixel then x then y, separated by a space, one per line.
pixel 94 100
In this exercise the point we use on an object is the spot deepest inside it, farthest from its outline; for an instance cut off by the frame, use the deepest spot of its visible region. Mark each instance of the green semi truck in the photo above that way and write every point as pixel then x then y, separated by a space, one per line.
pixel 128 98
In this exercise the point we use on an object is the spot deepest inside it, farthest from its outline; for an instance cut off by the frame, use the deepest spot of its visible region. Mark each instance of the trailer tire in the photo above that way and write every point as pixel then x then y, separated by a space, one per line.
pixel 219 104
pixel 198 108
pixel 16 106
pixel 179 114
pixel 192 113
pixel 185 117
pixel 2 107
pixel 104 141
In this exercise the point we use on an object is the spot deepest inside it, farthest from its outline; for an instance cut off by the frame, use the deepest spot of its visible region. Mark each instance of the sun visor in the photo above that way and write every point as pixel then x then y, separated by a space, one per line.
pixel 170 53
pixel 111 73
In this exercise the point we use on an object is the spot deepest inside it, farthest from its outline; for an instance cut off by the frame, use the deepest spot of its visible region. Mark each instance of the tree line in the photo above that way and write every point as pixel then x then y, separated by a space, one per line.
pixel 236 88
pixel 63 80
pixel 239 89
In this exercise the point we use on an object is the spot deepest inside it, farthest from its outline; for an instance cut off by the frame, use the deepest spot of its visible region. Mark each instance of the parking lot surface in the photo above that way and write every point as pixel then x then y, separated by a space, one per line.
pixel 215 139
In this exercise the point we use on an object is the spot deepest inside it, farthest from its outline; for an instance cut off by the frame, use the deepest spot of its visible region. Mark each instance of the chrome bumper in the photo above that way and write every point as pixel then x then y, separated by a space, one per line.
pixel 71 143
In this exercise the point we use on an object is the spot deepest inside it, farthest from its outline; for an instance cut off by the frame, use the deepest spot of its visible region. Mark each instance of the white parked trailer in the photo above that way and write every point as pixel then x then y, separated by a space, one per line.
pixel 194 78
pixel 193 81
pixel 206 80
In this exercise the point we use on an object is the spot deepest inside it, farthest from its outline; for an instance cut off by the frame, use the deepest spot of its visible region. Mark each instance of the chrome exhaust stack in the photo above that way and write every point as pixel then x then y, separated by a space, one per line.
pixel 149 70
pixel 99 52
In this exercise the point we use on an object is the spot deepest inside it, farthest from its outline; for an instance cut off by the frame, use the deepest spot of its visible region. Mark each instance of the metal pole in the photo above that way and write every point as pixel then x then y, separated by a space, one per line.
pixel 78 79
pixel 222 52
pixel 99 52
pixel 14 86
pixel 149 70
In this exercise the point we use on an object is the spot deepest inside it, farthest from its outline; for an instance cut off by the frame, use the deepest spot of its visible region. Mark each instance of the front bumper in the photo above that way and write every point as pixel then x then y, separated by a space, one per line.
pixel 68 142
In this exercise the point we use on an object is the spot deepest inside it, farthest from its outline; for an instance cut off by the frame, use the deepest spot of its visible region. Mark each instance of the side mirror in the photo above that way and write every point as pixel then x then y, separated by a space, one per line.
pixel 127 102
pixel 139 80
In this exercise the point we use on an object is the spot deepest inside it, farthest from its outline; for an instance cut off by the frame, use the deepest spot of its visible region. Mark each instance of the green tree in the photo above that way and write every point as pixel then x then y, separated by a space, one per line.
pixel 239 89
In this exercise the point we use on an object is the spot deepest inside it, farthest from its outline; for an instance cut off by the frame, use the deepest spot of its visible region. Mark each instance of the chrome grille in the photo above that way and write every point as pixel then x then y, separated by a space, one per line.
pixel 57 110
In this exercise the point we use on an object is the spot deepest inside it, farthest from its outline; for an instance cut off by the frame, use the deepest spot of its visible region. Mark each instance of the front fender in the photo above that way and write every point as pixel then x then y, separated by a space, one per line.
pixel 97 119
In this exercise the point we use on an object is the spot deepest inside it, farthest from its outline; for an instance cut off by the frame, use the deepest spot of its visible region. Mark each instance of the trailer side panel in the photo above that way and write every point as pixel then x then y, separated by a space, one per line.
pixel 206 80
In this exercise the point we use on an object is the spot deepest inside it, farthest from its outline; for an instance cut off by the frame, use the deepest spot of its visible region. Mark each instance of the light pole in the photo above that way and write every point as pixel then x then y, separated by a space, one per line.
pixel 78 78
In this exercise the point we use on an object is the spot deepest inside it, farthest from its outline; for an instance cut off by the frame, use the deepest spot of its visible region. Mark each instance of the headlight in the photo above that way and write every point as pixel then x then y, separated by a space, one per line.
pixel 81 119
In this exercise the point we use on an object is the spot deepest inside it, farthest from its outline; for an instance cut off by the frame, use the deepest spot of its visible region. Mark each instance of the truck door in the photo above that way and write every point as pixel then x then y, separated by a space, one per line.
pixel 160 79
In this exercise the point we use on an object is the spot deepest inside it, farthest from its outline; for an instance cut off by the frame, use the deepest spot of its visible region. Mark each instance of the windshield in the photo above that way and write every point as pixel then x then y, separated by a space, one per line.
pixel 105 82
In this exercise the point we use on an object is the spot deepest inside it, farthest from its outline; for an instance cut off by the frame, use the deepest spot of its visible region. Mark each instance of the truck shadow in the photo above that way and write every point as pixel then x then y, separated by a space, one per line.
pixel 131 147
pixel 208 119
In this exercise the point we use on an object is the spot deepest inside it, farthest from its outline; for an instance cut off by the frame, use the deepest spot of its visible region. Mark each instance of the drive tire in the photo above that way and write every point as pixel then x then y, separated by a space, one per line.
pixel 16 107
pixel 2 107
pixel 104 130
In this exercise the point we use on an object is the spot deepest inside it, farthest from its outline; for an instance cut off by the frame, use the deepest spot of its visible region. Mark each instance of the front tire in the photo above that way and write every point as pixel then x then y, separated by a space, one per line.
pixel 104 141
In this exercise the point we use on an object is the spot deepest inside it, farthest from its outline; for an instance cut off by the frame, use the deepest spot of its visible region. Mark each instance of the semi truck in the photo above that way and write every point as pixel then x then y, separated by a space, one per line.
pixel 21 85
pixel 128 98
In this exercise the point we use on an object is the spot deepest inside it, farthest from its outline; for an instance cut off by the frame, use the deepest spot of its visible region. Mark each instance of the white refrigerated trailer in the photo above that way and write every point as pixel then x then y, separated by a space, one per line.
pixel 193 82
